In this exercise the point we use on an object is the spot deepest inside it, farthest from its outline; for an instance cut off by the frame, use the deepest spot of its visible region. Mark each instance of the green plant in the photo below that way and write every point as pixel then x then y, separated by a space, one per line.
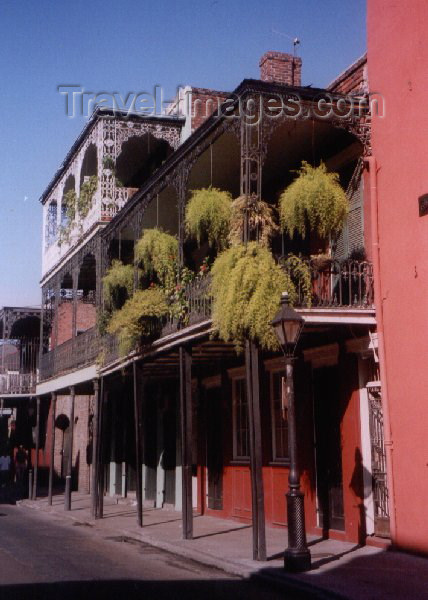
pixel 300 275
pixel 64 234
pixel 208 214
pixel 108 162
pixel 246 288
pixel 261 219
pixel 315 201
pixel 70 201
pixel 102 319
pixel 118 284
pixel 87 191
pixel 138 317
pixel 157 253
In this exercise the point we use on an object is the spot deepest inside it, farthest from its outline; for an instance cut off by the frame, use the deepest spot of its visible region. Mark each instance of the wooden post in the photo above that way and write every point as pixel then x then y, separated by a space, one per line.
pixel 36 459
pixel 256 464
pixel 95 443
pixel 100 483
pixel 52 453
pixel 67 496
pixel 186 440
pixel 137 420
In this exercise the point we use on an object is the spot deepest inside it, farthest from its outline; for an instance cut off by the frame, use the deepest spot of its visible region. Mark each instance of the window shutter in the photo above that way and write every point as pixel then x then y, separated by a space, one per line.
pixel 352 235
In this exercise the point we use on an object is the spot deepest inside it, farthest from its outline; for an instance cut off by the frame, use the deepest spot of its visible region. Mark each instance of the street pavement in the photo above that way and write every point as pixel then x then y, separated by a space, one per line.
pixel 42 557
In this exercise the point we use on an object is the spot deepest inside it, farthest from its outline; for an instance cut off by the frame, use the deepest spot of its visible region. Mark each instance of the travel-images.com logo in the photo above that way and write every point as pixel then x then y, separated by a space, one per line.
pixel 251 107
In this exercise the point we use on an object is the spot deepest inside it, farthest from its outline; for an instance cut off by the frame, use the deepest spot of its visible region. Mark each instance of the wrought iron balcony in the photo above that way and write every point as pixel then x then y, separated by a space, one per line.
pixel 75 353
pixel 335 284
pixel 18 366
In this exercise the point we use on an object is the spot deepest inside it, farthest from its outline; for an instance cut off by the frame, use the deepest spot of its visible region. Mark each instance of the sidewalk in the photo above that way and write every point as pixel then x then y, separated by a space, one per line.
pixel 337 567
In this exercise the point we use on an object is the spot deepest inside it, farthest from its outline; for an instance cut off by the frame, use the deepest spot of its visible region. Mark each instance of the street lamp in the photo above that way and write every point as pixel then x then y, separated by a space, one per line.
pixel 288 325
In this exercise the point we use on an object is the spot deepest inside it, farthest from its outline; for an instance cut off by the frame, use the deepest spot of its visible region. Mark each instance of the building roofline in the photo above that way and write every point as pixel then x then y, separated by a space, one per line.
pixel 352 67
pixel 99 113
pixel 246 86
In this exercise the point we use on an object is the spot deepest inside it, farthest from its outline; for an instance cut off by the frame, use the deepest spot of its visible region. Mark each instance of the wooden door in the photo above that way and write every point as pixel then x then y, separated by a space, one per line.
pixel 328 449
pixel 215 448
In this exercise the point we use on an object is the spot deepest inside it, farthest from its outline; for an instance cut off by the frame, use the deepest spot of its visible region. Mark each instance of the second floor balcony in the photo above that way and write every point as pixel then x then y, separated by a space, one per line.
pixel 338 287
pixel 18 366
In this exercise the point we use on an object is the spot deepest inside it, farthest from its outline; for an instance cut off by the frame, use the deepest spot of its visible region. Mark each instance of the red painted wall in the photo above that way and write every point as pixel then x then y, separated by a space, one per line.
pixel 398 69
pixel 236 477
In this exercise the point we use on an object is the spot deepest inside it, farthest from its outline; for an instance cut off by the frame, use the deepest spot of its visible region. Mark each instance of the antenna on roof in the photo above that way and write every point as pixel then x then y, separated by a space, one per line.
pixel 295 40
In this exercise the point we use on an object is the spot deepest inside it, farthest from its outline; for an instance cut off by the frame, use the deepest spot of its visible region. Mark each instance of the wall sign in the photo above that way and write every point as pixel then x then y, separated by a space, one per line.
pixel 423 205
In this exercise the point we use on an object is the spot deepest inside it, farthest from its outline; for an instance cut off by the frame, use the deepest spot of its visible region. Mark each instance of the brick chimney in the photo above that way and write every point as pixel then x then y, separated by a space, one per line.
pixel 279 67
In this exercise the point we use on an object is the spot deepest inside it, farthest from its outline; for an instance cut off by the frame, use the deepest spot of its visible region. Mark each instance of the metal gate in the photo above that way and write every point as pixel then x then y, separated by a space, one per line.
pixel 379 480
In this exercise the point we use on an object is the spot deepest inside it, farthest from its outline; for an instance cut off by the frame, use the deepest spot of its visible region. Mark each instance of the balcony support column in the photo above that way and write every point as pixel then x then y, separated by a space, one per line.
pixel 180 184
pixel 36 458
pixel 67 496
pixel 56 309
pixel 52 449
pixel 138 391
pixel 75 278
pixel 251 158
pixel 186 414
pixel 101 443
pixel 95 450
pixel 254 421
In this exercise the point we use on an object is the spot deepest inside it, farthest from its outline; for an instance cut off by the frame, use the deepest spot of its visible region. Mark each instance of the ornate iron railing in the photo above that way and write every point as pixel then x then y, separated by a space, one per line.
pixel 75 353
pixel 18 366
pixel 379 474
pixel 199 299
pixel 334 284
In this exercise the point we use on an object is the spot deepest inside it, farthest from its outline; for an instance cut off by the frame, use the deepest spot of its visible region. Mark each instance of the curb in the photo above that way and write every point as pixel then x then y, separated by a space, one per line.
pixel 266 575
pixel 302 589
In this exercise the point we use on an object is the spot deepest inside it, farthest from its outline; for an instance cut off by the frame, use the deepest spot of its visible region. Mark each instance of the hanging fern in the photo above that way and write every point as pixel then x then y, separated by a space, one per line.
pixel 246 287
pixel 118 284
pixel 314 201
pixel 139 317
pixel 86 196
pixel 208 214
pixel 262 225
pixel 157 253
pixel 300 275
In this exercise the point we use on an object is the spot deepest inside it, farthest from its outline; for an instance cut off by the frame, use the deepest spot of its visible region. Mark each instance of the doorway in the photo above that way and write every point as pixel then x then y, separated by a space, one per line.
pixel 214 448
pixel 328 449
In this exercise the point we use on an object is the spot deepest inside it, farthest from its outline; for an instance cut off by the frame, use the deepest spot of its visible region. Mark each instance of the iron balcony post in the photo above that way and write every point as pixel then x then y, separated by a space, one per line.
pixel 297 556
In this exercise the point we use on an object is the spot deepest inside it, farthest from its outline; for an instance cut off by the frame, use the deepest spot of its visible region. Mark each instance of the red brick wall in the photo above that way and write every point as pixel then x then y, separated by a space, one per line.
pixel 353 80
pixel 65 316
pixel 82 410
pixel 85 318
pixel 205 102
pixel 280 67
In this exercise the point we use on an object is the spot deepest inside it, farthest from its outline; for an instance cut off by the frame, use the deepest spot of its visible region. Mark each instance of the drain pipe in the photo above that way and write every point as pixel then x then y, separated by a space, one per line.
pixel 371 162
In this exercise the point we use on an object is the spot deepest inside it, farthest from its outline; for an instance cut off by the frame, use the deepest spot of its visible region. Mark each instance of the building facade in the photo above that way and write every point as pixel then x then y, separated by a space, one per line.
pixel 396 37
pixel 183 419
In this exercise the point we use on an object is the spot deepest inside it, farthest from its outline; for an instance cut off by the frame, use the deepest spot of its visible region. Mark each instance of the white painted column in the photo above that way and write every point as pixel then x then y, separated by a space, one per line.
pixel 366 446
pixel 160 473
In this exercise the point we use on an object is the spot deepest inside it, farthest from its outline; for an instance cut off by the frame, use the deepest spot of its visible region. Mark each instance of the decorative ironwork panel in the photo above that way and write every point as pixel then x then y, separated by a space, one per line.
pixel 75 353
pixel 379 476
pixel 334 283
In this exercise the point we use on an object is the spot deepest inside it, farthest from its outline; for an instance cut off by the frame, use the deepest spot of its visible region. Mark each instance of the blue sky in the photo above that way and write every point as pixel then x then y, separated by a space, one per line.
pixel 131 46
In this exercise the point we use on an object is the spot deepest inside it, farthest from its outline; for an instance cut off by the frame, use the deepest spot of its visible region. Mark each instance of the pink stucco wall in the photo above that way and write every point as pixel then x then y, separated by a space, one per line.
pixel 398 69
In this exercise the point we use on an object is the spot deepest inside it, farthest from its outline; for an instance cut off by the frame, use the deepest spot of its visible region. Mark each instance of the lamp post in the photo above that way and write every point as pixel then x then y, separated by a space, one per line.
pixel 288 325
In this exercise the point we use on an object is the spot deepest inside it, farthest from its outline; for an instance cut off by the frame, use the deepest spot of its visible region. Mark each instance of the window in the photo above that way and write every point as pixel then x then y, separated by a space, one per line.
pixel 241 437
pixel 279 418
pixel 51 224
